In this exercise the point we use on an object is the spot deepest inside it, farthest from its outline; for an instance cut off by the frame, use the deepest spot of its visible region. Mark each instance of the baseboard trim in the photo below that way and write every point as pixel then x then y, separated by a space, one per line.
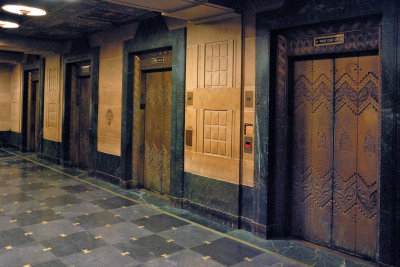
pixel 49 158
pixel 230 220
pixel 112 179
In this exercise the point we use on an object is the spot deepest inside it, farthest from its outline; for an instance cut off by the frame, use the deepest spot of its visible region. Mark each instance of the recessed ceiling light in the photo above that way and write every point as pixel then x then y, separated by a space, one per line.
pixel 8 24
pixel 24 10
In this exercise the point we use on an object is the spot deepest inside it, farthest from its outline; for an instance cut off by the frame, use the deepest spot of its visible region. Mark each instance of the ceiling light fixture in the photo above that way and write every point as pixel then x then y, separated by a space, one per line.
pixel 24 10
pixel 8 24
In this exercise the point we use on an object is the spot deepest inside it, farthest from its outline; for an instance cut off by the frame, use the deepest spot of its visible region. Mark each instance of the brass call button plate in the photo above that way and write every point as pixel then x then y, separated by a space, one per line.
pixel 248 99
pixel 189 137
pixel 189 100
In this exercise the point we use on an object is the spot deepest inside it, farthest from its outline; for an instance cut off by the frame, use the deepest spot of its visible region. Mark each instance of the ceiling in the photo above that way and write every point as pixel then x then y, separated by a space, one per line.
pixel 68 19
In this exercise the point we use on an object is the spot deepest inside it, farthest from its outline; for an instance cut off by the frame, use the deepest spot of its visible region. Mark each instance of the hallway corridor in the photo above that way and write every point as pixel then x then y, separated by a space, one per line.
pixel 50 217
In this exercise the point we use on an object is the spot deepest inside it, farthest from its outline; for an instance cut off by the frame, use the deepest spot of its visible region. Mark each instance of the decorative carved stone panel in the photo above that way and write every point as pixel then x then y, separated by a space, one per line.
pixel 52 79
pixel 218 64
pixel 52 115
pixel 217 133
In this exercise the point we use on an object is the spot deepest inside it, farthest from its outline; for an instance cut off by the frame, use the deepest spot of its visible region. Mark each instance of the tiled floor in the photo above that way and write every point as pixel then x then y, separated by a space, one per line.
pixel 48 217
pixel 51 219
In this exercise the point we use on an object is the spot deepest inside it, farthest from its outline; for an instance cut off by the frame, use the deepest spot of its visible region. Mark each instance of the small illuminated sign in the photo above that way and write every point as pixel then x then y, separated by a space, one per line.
pixel 329 40
pixel 158 59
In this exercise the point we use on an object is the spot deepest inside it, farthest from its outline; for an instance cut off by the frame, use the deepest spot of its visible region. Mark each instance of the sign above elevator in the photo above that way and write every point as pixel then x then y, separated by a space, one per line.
pixel 329 40
pixel 156 60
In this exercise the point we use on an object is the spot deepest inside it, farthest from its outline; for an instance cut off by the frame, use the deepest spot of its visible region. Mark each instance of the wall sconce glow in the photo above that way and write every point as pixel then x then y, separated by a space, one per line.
pixel 24 10
pixel 8 24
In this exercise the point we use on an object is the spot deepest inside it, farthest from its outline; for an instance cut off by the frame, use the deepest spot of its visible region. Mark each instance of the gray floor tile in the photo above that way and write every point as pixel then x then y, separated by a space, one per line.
pixel 46 193
pixel 183 258
pixel 158 245
pixel 35 217
pixel 15 197
pixel 227 251
pixel 29 187
pixel 53 263
pixel 267 259
pixel 20 256
pixel 73 243
pixel 161 222
pixel 41 232
pixel 94 195
pixel 190 235
pixel 97 219
pixel 137 252
pixel 13 209
pixel 77 209
pixel 135 212
pixel 77 188
pixel 120 232
pixel 114 203
pixel 14 237
pixel 101 257
pixel 5 223
pixel 62 200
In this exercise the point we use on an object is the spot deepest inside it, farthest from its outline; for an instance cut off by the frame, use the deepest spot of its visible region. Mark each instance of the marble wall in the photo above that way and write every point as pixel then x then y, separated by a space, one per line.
pixel 5 97
pixel 110 86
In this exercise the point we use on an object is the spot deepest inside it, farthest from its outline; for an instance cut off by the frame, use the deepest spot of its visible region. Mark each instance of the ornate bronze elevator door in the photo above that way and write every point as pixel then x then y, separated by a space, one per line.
pixel 312 150
pixel 335 153
pixel 357 142
pixel 158 131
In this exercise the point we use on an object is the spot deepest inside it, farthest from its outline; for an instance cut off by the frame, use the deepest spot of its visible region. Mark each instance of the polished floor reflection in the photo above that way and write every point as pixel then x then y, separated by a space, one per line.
pixel 50 218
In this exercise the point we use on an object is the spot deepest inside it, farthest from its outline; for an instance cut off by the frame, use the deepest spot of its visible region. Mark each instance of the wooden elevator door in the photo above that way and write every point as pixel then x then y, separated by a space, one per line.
pixel 79 120
pixel 158 131
pixel 32 114
pixel 335 153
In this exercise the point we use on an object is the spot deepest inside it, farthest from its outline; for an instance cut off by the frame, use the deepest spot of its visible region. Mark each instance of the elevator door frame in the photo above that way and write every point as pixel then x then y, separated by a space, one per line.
pixel 91 56
pixel 362 36
pixel 39 66
pixel 290 128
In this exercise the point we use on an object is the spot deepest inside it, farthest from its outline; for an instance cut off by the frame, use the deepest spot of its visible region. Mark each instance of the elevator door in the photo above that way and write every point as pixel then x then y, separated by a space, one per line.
pixel 79 120
pixel 158 131
pixel 335 153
